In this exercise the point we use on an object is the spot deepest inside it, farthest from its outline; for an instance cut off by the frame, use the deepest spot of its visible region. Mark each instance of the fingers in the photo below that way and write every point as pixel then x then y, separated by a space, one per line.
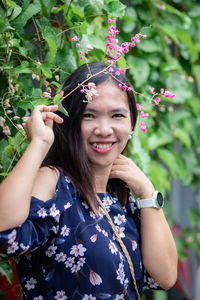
pixel 45 108
pixel 47 114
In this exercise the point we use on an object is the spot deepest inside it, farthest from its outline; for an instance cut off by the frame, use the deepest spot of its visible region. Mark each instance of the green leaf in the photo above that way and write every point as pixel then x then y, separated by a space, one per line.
pixel 150 46
pixel 16 12
pixel 186 39
pixel 58 100
pixel 23 68
pixel 5 269
pixel 183 136
pixel 4 24
pixel 160 295
pixel 27 14
pixel 8 3
pixel 139 69
pixel 159 175
pixel 194 216
pixel 174 163
pixel 47 6
pixel 115 8
pixel 50 37
pixel 180 86
pixel 45 68
pixel 195 11
pixel 121 62
pixel 196 72
pixel 159 138
pixel 169 30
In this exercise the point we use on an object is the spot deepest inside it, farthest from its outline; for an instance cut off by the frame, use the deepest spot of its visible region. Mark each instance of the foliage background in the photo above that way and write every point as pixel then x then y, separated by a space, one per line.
pixel 36 55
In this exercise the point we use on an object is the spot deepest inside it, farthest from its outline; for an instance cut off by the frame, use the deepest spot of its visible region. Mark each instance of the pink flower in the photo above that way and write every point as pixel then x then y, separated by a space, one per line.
pixel 143 115
pixel 6 130
pixel 15 118
pixel 95 279
pixel 74 38
pixel 138 106
pixel 124 87
pixel 168 94
pixel 82 57
pixel 111 21
pixel 123 71
pixel 9 112
pixel 143 127
pixel 89 47
pixel 117 73
pixel 78 45
pixel 110 70
pixel 151 90
pixel 157 100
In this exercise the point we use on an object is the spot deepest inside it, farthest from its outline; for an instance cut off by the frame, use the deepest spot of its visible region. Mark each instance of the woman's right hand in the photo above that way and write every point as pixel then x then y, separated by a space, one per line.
pixel 40 123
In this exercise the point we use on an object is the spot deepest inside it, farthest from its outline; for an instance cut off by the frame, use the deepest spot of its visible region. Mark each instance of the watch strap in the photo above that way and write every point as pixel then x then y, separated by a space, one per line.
pixel 146 203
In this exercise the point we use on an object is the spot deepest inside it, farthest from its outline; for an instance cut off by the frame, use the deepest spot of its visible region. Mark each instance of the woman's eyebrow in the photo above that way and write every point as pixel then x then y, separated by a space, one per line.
pixel 116 110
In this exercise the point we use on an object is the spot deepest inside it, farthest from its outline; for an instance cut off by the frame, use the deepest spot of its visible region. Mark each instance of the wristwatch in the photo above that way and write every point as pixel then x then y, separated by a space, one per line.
pixel 156 201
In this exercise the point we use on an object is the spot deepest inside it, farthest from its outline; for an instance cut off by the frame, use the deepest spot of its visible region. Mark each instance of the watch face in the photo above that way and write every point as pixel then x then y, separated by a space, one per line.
pixel 160 199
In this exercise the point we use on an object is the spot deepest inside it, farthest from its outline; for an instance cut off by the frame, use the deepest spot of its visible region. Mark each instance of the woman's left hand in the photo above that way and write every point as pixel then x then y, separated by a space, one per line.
pixel 126 170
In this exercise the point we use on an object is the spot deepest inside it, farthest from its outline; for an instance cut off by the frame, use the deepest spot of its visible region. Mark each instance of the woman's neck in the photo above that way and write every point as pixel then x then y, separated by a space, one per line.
pixel 101 178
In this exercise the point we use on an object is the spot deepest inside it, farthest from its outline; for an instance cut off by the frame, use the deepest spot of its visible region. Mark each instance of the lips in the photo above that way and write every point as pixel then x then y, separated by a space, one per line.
pixel 102 147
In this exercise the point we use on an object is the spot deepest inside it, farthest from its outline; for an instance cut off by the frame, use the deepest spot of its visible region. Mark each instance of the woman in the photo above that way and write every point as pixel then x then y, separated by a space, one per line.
pixel 75 232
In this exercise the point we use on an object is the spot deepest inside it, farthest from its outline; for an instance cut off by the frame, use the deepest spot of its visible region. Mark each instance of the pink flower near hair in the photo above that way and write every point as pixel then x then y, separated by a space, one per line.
pixel 138 106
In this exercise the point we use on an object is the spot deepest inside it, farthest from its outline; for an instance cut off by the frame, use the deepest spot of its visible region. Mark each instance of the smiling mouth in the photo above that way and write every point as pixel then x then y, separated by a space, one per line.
pixel 102 145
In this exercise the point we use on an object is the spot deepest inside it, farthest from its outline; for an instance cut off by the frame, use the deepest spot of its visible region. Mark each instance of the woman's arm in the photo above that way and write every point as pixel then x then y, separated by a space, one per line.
pixel 159 253
pixel 16 188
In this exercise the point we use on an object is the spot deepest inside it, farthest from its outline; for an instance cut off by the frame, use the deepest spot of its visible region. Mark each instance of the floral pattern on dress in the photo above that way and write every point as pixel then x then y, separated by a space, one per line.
pixel 64 251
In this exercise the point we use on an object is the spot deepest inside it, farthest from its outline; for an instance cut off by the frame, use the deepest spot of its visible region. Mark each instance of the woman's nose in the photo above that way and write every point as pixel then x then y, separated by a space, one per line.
pixel 103 128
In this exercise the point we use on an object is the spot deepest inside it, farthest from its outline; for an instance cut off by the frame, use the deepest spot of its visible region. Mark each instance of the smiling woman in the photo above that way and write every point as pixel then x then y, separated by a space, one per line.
pixel 77 232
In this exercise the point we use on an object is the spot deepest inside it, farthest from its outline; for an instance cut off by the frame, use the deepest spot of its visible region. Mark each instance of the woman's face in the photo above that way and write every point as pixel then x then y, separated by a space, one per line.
pixel 105 125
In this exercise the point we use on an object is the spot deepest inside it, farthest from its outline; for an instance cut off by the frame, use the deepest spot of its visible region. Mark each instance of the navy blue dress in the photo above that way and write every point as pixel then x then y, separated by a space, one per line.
pixel 63 251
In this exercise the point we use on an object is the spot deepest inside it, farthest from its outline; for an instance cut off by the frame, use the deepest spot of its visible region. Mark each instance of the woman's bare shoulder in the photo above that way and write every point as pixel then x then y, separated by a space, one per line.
pixel 45 183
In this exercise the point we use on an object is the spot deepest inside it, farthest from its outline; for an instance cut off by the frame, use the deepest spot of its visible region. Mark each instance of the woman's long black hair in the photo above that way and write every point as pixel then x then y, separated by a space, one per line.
pixel 67 152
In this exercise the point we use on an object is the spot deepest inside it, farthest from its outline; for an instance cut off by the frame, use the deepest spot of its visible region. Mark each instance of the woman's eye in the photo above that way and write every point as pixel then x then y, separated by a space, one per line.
pixel 118 116
pixel 88 116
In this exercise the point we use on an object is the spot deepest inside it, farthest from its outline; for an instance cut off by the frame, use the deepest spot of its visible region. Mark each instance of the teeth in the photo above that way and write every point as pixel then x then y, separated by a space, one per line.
pixel 102 146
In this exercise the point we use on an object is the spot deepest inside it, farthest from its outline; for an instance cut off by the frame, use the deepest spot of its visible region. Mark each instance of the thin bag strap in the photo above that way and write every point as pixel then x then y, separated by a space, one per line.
pixel 124 249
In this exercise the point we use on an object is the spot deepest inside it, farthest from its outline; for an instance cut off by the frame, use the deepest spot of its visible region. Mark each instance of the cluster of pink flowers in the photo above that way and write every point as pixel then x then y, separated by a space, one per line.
pixel 89 90
pixel 156 100
pixel 78 45
pixel 115 51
